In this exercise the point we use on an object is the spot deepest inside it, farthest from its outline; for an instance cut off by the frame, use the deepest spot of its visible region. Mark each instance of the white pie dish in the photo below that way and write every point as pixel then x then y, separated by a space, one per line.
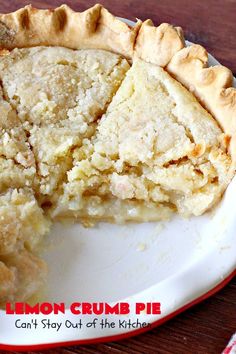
pixel 174 263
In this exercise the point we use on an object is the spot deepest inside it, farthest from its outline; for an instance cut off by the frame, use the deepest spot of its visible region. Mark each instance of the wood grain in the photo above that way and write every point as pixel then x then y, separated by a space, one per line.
pixel 206 328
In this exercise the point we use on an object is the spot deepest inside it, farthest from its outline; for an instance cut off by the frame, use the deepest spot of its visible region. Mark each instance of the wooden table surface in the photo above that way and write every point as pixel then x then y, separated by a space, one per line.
pixel 206 328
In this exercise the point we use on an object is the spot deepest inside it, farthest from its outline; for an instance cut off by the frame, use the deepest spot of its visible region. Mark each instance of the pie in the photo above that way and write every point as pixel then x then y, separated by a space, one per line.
pixel 103 122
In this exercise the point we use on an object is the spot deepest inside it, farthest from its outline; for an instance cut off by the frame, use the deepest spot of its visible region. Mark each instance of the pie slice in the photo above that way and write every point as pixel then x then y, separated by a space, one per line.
pixel 103 121
pixel 156 150
pixel 22 221
pixel 59 95
pixel 48 109
pixel 21 218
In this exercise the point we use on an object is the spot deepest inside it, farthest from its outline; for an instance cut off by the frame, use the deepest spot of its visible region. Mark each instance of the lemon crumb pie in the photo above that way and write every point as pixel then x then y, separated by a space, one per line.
pixel 103 122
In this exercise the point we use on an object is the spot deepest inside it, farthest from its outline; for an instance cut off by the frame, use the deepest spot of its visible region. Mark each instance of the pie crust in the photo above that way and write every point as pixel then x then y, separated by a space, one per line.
pixel 54 165
pixel 162 45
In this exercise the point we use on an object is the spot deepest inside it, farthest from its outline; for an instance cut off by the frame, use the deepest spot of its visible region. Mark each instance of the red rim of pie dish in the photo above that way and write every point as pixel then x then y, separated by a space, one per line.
pixel 123 335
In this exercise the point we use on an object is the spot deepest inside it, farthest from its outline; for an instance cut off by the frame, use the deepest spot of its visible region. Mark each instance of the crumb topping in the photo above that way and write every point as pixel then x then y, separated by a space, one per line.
pixel 85 136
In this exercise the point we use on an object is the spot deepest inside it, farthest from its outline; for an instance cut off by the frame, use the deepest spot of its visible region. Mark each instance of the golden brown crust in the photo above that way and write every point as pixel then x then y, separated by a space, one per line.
pixel 93 28
pixel 157 45
pixel 211 85
pixel 162 45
